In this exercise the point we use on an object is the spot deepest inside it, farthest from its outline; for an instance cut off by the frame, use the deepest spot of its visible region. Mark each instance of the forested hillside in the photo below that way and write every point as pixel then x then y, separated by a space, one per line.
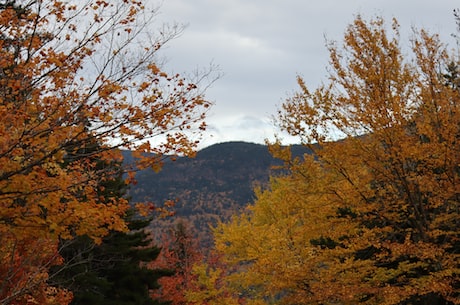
pixel 215 184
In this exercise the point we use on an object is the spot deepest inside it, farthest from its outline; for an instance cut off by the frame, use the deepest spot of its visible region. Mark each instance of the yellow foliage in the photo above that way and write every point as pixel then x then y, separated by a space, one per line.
pixel 372 216
pixel 210 289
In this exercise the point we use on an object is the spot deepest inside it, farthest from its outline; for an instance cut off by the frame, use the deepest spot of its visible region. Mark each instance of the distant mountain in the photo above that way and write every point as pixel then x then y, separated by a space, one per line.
pixel 215 184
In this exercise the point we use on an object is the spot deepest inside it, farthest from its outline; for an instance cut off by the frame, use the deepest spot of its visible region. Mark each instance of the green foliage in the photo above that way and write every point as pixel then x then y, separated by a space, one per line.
pixel 113 272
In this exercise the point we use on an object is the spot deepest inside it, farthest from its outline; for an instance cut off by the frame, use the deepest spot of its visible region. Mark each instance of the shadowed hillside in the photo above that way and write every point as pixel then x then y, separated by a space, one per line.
pixel 212 186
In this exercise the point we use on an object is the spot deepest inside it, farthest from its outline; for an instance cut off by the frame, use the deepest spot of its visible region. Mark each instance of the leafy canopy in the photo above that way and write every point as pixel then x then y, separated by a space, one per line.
pixel 75 73
pixel 374 217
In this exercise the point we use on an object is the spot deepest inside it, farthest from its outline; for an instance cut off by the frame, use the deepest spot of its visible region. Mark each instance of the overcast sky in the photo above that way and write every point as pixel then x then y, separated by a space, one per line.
pixel 261 45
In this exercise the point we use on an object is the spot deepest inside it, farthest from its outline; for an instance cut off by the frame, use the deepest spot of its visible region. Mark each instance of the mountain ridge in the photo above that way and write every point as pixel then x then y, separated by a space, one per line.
pixel 211 187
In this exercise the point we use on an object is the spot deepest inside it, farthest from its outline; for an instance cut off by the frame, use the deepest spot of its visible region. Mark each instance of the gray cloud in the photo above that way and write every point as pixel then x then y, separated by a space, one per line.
pixel 261 45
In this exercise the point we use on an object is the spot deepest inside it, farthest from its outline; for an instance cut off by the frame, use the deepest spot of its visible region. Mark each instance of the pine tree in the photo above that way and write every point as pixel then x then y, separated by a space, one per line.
pixel 117 265
pixel 114 271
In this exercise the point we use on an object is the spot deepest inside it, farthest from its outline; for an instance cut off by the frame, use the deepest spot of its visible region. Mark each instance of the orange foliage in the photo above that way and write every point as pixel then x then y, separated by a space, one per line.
pixel 179 252
pixel 197 278
pixel 72 75
pixel 22 266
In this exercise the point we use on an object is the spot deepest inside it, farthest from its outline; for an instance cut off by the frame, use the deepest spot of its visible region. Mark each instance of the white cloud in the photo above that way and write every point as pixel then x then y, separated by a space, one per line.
pixel 243 128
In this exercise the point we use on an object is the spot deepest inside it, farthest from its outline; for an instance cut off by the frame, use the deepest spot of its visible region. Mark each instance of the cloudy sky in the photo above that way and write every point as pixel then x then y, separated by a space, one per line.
pixel 261 45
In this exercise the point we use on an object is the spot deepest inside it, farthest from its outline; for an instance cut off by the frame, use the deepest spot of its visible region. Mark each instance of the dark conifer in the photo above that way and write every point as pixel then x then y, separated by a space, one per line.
pixel 113 272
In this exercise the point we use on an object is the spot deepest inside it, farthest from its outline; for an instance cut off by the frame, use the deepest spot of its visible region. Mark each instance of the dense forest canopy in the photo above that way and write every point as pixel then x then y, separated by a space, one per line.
pixel 372 218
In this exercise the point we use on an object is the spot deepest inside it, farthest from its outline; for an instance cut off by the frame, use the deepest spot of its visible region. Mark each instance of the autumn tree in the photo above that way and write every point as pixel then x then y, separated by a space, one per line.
pixel 373 216
pixel 72 74
pixel 198 274
pixel 114 271
pixel 179 252
pixel 270 244
pixel 210 286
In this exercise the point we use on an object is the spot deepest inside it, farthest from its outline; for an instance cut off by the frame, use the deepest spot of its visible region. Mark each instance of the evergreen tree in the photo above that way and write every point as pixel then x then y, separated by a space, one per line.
pixel 114 271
